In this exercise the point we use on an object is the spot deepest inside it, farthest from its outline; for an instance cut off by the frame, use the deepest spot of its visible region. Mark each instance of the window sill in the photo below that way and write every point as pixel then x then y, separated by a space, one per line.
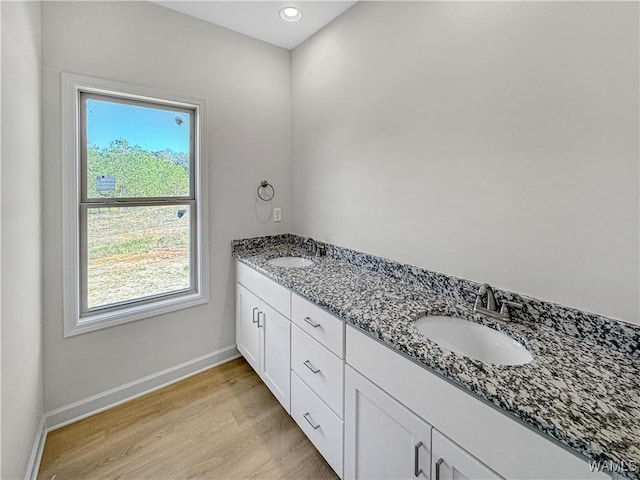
pixel 98 321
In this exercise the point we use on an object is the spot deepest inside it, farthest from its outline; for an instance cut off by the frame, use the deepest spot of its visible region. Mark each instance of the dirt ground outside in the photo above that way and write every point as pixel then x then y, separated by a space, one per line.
pixel 135 252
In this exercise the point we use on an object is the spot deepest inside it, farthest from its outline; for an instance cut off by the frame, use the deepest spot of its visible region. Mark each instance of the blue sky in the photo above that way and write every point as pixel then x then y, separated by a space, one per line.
pixel 151 128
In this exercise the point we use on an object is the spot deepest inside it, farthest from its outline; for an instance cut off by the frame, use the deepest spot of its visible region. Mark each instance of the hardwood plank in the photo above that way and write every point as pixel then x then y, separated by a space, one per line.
pixel 220 424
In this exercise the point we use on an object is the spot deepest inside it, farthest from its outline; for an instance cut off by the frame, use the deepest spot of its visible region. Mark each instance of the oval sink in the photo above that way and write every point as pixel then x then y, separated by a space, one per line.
pixel 295 262
pixel 473 340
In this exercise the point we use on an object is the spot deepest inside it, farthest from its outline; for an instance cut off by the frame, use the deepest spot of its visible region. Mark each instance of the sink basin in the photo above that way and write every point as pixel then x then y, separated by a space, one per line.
pixel 473 340
pixel 295 262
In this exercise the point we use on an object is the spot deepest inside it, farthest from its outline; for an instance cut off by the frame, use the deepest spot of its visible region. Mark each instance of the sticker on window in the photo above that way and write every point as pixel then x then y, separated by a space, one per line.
pixel 105 183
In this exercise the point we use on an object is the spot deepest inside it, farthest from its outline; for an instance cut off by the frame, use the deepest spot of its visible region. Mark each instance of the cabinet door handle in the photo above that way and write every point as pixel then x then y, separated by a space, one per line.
pixel 307 364
pixel 438 463
pixel 416 460
pixel 311 322
pixel 255 309
pixel 307 417
pixel 260 313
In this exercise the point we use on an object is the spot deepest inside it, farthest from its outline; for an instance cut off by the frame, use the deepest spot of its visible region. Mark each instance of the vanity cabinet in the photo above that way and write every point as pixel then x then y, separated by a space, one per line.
pixel 383 439
pixel 373 413
pixel 263 333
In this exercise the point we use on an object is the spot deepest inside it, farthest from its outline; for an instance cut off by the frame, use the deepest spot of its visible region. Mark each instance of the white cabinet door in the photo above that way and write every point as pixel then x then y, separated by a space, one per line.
pixel 275 359
pixel 383 439
pixel 451 462
pixel 263 337
pixel 247 332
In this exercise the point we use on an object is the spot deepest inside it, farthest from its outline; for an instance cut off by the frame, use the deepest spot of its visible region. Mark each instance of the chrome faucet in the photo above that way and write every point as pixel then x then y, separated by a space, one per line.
pixel 313 247
pixel 491 307
pixel 317 249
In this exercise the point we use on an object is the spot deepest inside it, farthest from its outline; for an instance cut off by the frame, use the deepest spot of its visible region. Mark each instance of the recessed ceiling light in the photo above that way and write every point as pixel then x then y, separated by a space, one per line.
pixel 290 14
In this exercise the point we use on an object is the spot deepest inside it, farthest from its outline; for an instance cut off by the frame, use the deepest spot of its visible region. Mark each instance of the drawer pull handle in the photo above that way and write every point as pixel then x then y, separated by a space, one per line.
pixel 260 313
pixel 255 309
pixel 311 322
pixel 307 364
pixel 307 417
pixel 416 460
pixel 438 463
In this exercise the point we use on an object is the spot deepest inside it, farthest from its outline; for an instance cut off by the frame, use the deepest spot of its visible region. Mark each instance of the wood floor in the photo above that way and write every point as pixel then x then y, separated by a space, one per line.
pixel 223 423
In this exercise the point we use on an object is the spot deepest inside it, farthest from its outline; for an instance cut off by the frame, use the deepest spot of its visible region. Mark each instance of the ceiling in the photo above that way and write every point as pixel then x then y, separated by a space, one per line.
pixel 261 19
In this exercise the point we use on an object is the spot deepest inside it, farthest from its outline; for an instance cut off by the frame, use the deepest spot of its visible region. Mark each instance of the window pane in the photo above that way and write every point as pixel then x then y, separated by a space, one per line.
pixel 136 252
pixel 136 151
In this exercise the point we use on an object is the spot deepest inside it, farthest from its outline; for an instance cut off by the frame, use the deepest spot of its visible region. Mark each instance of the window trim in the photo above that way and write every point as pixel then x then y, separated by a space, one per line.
pixel 75 322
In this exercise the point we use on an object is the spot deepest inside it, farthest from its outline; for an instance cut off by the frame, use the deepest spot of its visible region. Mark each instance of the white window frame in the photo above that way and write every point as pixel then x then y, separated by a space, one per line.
pixel 76 322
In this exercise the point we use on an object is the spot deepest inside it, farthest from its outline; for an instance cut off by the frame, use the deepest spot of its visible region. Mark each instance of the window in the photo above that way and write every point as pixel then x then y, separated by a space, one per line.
pixel 134 184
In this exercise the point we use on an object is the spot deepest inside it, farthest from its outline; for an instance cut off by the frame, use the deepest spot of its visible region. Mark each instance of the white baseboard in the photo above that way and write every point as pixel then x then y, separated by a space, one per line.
pixel 36 452
pixel 103 401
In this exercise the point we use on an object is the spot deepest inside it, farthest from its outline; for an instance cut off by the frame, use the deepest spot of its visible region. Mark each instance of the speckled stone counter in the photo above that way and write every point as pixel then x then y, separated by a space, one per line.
pixel 582 388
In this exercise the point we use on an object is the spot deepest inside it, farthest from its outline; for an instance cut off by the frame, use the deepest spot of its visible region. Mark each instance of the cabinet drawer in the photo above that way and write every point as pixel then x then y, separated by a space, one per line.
pixel 321 325
pixel 319 368
pixel 275 295
pixel 318 422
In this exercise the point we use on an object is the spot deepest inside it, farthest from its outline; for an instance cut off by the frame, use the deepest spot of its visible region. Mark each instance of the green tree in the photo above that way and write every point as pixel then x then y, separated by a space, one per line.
pixel 137 172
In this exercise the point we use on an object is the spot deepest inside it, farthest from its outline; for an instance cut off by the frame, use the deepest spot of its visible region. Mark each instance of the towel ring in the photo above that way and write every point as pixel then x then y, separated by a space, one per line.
pixel 265 184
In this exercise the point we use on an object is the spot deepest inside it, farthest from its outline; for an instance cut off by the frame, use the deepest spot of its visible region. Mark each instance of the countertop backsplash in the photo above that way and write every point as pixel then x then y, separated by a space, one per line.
pixel 610 333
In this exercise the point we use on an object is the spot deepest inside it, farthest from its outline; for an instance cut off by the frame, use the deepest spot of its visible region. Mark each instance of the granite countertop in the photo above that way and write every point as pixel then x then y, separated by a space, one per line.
pixel 577 390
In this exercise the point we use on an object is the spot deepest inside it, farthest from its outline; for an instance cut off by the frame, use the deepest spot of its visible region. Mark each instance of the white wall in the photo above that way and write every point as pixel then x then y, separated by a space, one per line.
pixel 492 141
pixel 247 83
pixel 21 242
pixel 1 239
